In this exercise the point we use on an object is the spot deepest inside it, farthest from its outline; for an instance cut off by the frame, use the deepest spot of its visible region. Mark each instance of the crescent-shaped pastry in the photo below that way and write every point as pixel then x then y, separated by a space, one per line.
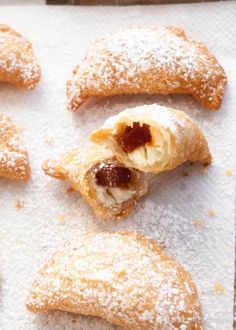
pixel 14 161
pixel 148 60
pixel 18 65
pixel 111 188
pixel 153 138
pixel 122 277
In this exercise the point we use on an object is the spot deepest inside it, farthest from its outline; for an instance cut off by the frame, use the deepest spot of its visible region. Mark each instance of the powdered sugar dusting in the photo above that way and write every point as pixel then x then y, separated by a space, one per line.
pixel 17 62
pixel 147 59
pixel 126 267
pixel 29 236
pixel 155 112
pixel 14 162
pixel 79 167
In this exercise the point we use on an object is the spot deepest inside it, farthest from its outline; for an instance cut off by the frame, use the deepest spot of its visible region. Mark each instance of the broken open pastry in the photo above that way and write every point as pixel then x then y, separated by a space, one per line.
pixel 121 277
pixel 18 65
pixel 14 161
pixel 148 60
pixel 153 138
pixel 111 188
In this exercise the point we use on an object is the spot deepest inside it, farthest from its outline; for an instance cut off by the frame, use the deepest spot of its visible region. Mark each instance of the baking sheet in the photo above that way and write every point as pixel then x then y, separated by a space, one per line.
pixel 175 212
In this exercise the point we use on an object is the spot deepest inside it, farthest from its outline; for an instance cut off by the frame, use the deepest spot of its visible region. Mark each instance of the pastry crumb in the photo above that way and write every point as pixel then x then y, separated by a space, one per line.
pixel 70 190
pixel 184 173
pixel 142 206
pixel 204 170
pixel 21 129
pixel 19 204
pixel 49 141
pixel 211 213
pixel 229 172
pixel 61 219
pixel 199 223
pixel 218 288
pixel 163 244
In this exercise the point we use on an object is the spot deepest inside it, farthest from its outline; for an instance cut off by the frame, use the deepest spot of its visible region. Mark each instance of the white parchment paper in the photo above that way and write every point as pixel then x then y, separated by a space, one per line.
pixel 175 212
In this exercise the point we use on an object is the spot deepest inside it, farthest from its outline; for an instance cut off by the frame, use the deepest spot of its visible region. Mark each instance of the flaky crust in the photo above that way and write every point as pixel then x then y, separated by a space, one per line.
pixel 73 167
pixel 187 142
pixel 148 60
pixel 122 277
pixel 18 65
pixel 14 160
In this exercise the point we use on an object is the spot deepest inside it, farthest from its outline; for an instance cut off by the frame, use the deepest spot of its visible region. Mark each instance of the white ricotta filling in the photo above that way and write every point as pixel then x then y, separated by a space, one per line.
pixel 152 153
pixel 111 196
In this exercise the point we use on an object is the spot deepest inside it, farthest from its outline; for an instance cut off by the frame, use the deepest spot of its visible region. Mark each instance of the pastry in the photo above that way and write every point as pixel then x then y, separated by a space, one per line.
pixel 14 161
pixel 111 188
pixel 153 138
pixel 148 60
pixel 17 62
pixel 121 277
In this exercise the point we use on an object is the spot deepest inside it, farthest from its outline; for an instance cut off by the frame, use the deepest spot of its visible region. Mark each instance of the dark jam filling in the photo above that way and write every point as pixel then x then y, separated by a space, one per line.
pixel 134 137
pixel 110 175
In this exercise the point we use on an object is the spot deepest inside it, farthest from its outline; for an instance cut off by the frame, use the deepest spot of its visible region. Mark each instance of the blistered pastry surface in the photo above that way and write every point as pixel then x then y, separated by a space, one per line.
pixel 14 159
pixel 18 65
pixel 122 277
pixel 77 168
pixel 175 212
pixel 186 142
pixel 148 59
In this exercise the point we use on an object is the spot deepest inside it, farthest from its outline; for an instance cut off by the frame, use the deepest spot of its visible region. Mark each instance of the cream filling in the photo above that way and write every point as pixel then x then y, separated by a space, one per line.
pixel 111 196
pixel 150 154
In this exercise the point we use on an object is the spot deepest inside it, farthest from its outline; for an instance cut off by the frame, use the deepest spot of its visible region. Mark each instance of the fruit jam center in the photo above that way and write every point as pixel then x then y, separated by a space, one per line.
pixel 134 137
pixel 110 175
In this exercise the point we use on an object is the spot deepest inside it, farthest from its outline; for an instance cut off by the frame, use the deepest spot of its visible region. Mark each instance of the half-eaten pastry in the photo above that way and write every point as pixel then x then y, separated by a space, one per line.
pixel 18 65
pixel 121 277
pixel 148 60
pixel 153 138
pixel 14 160
pixel 111 188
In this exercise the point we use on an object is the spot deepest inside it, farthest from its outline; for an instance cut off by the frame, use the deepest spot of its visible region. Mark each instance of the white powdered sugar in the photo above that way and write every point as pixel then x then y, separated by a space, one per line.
pixel 13 155
pixel 17 59
pixel 174 212
pixel 151 113
pixel 141 50
pixel 146 59
pixel 127 268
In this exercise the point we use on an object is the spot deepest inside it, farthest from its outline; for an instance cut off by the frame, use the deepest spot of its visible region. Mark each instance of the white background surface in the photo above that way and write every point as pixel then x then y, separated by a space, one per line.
pixel 60 36
pixel 22 2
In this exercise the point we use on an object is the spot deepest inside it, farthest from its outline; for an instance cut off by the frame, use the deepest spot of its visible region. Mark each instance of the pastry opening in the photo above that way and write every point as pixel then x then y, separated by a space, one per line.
pixel 144 146
pixel 113 183
pixel 135 136
pixel 110 175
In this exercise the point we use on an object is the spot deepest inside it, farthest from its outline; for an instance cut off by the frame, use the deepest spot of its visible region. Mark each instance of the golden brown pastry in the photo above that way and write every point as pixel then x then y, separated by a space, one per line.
pixel 111 188
pixel 17 62
pixel 121 277
pixel 148 60
pixel 153 138
pixel 14 161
